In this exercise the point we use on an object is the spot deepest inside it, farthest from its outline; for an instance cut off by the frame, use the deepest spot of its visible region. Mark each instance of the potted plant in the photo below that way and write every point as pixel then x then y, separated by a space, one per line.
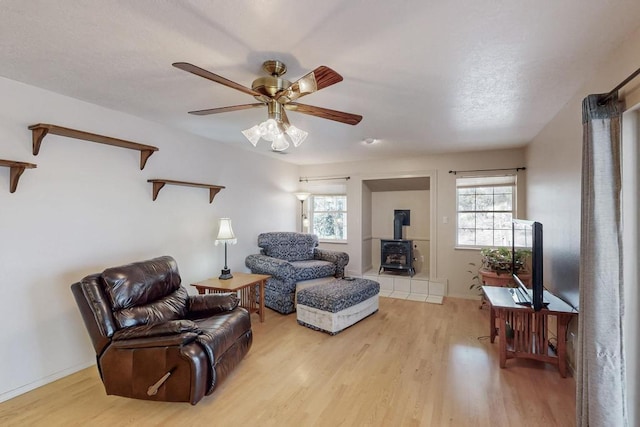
pixel 500 260
pixel 496 266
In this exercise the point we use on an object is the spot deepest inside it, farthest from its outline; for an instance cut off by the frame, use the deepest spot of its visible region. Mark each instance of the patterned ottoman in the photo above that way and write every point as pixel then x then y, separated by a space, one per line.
pixel 334 306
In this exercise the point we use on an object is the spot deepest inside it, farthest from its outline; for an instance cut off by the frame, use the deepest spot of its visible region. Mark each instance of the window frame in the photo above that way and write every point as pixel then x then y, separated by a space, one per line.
pixel 485 181
pixel 311 213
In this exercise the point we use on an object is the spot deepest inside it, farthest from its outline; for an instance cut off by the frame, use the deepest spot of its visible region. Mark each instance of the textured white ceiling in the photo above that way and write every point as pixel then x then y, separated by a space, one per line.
pixel 428 76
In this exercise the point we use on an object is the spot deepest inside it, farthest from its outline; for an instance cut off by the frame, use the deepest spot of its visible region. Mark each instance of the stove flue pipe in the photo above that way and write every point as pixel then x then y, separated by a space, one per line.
pixel 398 220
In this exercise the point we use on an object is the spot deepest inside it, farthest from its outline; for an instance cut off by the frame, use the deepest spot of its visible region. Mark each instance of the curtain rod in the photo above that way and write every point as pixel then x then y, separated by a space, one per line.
pixel 329 178
pixel 615 90
pixel 522 168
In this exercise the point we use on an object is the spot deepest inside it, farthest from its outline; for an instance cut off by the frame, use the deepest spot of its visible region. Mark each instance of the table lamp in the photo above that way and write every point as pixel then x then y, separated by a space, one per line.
pixel 226 236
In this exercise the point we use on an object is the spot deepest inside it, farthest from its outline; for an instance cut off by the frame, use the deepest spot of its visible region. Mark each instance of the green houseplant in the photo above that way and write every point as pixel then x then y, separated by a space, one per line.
pixel 497 261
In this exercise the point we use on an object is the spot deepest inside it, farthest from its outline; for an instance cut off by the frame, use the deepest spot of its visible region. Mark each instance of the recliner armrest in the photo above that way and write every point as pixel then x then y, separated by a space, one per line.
pixel 158 341
pixel 210 304
pixel 171 327
pixel 275 267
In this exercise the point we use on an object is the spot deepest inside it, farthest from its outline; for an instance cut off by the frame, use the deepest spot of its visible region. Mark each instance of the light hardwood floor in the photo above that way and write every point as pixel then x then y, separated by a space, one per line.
pixel 410 364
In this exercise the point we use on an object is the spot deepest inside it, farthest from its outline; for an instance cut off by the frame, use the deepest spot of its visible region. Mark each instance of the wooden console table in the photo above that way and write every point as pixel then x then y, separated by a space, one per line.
pixel 528 333
pixel 245 284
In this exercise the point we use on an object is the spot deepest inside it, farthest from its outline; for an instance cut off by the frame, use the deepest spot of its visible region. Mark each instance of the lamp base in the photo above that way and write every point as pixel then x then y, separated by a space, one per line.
pixel 226 274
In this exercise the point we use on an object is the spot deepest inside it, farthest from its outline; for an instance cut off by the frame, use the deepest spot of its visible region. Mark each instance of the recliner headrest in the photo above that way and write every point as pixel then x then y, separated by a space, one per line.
pixel 141 283
pixel 145 292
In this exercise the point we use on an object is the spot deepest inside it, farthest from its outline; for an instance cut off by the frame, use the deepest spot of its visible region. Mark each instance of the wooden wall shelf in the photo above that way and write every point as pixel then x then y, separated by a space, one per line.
pixel 15 170
pixel 159 183
pixel 40 130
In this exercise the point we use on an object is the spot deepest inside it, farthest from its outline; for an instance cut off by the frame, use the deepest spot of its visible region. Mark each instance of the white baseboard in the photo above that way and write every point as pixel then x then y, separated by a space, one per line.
pixel 43 381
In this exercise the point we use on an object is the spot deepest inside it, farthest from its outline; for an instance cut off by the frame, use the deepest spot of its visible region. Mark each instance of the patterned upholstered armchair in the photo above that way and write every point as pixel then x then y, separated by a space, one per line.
pixel 291 258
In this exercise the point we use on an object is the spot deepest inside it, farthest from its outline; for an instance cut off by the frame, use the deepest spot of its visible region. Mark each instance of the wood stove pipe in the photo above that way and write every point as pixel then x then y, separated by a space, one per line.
pixel 399 219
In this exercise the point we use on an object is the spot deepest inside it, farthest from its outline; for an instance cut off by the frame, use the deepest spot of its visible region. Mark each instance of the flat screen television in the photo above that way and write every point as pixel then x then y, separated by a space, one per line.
pixel 528 235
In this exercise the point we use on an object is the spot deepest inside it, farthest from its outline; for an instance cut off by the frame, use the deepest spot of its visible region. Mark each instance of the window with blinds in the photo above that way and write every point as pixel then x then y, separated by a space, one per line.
pixel 485 208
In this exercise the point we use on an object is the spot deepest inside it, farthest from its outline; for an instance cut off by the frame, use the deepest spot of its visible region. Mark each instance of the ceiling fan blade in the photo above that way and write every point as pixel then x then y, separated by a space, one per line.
pixel 325 113
pixel 214 78
pixel 226 109
pixel 325 76
pixel 311 82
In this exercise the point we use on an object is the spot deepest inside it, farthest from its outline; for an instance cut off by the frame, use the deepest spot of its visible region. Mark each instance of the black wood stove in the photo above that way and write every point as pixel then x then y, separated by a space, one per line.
pixel 397 254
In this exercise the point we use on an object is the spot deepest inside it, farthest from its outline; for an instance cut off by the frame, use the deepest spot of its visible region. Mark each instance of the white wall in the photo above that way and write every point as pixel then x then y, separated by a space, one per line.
pixel 383 205
pixel 88 206
pixel 554 185
pixel 450 263
pixel 554 181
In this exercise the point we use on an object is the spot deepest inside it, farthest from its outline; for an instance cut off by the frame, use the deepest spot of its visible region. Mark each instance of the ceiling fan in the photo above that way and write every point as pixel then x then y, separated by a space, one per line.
pixel 278 95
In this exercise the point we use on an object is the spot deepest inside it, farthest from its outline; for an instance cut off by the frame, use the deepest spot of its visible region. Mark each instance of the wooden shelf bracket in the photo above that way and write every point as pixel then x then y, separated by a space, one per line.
pixel 15 170
pixel 40 130
pixel 159 183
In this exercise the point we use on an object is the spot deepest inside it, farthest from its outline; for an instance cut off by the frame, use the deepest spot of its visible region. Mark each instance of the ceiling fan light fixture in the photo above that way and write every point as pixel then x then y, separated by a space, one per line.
pixel 279 143
pixel 252 134
pixel 276 132
pixel 269 129
pixel 297 135
pixel 277 94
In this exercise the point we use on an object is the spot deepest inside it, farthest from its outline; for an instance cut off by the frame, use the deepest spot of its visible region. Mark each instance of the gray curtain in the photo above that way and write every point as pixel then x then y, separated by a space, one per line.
pixel 601 394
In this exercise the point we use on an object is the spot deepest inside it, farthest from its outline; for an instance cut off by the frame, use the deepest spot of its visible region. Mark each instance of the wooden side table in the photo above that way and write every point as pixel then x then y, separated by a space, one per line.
pixel 528 329
pixel 242 283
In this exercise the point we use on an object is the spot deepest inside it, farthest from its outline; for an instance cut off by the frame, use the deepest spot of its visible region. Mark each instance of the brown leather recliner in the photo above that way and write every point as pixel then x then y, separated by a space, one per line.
pixel 153 340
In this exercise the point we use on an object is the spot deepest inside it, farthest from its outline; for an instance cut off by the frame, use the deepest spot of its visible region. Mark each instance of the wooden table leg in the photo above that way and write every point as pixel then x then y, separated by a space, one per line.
pixel 502 337
pixel 492 323
pixel 262 300
pixel 563 322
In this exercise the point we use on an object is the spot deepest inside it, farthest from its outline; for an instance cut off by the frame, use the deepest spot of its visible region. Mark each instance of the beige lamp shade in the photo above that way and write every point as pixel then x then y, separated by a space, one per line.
pixel 225 232
pixel 302 196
